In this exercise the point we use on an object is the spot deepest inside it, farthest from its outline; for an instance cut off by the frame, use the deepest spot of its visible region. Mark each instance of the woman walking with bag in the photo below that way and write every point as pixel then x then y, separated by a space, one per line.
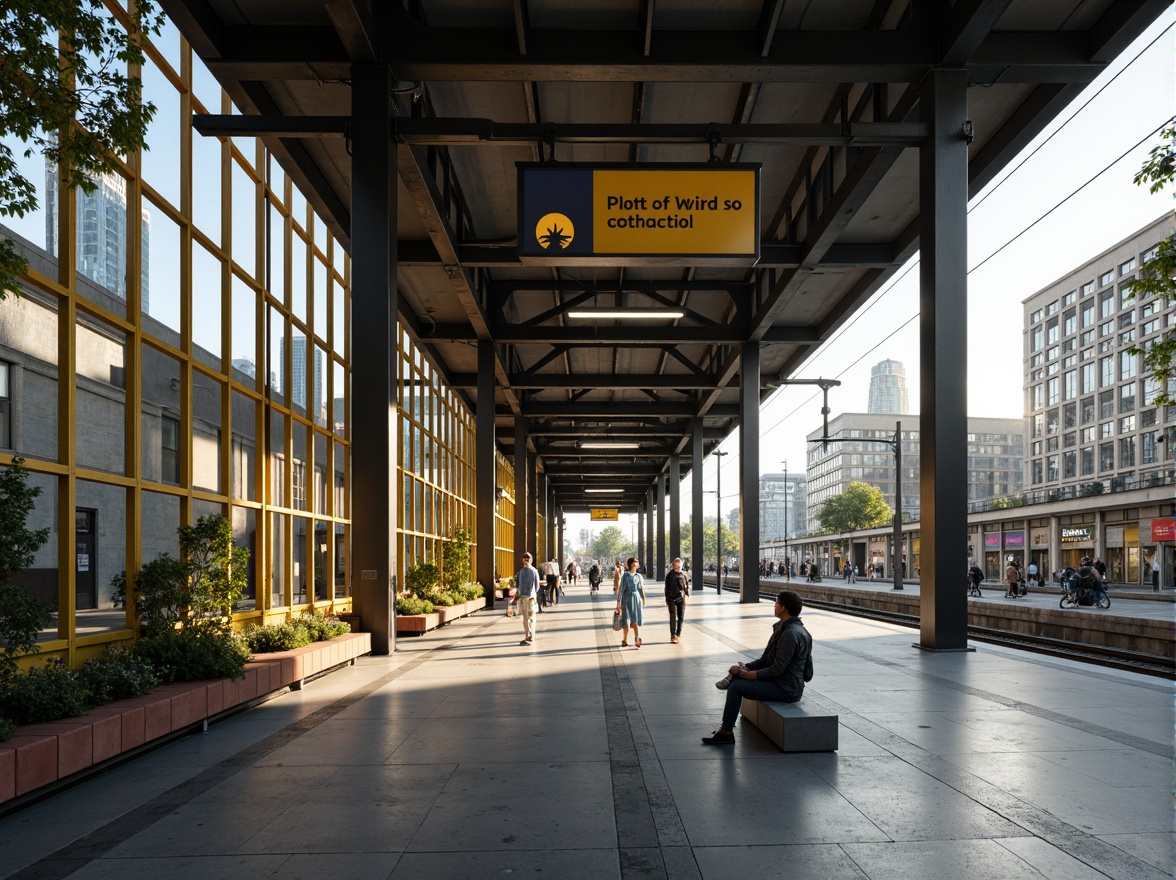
pixel 630 601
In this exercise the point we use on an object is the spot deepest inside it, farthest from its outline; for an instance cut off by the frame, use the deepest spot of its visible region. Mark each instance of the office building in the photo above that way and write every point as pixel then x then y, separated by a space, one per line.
pixel 783 512
pixel 888 391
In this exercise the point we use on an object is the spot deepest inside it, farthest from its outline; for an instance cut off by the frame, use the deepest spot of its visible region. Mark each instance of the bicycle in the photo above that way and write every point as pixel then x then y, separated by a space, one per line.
pixel 973 588
pixel 1074 593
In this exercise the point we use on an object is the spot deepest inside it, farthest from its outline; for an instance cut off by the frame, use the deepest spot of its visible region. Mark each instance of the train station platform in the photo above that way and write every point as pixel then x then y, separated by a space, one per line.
pixel 465 755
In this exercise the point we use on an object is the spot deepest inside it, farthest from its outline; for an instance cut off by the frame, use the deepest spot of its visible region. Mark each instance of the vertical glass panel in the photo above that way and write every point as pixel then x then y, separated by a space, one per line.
pixel 300 464
pixel 206 306
pixel 28 332
pixel 321 548
pixel 244 450
pixel 339 414
pixel 319 386
pixel 342 587
pixel 205 508
pixel 320 473
pixel 244 220
pixel 244 330
pixel 277 458
pixel 320 299
pixel 206 432
pixel 100 407
pixel 161 519
pixel 205 87
pixel 298 372
pixel 338 303
pixel 167 42
pixel 276 374
pixel 206 177
pixel 101 238
pixel 321 234
pixel 245 536
pixel 160 428
pixel 40 578
pixel 298 207
pixel 100 537
pixel 37 230
pixel 276 263
pixel 278 544
pixel 277 178
pixel 161 154
pixel 340 509
pixel 160 271
pixel 301 573
pixel 298 252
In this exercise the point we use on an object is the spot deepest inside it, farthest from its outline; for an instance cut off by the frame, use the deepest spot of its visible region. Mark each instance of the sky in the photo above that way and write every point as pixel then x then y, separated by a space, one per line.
pixel 1066 198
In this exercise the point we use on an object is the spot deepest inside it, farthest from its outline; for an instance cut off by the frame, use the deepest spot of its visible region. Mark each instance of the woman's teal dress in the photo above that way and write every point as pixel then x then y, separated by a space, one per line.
pixel 631 596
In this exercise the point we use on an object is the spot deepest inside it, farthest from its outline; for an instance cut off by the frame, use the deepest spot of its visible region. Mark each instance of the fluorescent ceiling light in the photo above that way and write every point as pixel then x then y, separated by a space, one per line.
pixel 604 490
pixel 627 315
pixel 610 445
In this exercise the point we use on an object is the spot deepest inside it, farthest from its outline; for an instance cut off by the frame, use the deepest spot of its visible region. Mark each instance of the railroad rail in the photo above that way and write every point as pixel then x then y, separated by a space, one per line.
pixel 1112 658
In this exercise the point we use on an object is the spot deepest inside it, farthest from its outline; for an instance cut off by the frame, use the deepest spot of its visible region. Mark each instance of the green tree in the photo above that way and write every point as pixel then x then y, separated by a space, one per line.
pixel 456 568
pixel 21 615
pixel 860 506
pixel 1157 276
pixel 730 539
pixel 70 99
pixel 611 543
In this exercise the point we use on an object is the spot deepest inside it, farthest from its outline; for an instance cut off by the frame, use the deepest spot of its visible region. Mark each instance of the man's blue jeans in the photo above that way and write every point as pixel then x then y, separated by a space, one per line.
pixel 764 691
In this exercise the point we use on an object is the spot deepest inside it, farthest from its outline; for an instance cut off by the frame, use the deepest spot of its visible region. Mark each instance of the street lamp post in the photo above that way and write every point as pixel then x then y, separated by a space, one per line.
pixel 719 521
pixel 787 565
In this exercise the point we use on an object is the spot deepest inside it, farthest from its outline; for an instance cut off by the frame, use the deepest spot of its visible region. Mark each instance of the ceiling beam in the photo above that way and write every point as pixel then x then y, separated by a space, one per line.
pixel 642 381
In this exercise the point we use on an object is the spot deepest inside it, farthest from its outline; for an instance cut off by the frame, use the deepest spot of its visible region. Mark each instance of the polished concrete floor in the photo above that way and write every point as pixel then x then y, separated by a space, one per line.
pixel 465 755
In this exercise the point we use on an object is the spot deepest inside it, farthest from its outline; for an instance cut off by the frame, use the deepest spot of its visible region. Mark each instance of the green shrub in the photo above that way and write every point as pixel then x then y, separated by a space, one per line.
pixel 455 559
pixel 471 591
pixel 320 627
pixel 21 616
pixel 421 578
pixel 194 654
pixel 44 693
pixel 276 637
pixel 445 599
pixel 413 605
pixel 7 729
pixel 119 675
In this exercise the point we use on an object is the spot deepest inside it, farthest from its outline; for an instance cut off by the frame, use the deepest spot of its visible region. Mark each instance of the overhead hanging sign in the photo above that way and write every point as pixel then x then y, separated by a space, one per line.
pixel 605 513
pixel 627 214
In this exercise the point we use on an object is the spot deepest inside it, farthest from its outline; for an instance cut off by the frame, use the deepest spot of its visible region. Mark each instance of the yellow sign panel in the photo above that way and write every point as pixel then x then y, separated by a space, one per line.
pixel 696 211
pixel 604 513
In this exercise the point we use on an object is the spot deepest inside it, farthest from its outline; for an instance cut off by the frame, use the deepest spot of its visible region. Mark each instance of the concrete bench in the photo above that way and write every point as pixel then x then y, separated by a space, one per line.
pixel 793 726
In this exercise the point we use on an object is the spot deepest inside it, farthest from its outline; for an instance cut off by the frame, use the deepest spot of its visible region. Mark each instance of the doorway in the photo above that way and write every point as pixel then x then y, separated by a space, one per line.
pixel 86 558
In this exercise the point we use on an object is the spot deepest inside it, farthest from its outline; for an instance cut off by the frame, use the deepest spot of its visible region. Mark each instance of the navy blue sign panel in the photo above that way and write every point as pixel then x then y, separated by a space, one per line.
pixel 555 211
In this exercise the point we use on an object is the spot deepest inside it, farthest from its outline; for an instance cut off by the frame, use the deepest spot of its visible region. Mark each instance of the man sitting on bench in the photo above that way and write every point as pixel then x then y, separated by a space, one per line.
pixel 779 675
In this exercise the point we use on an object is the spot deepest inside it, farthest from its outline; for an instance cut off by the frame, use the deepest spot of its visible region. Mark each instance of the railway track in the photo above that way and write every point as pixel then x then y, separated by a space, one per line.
pixel 1113 658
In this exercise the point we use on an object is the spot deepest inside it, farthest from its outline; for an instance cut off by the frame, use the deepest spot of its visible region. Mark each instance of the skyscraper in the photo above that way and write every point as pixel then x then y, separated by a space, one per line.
pixel 888 391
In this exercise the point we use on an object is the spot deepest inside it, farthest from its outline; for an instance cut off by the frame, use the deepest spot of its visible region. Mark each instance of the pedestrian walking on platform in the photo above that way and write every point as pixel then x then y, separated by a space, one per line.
pixel 630 602
pixel 677 594
pixel 527 584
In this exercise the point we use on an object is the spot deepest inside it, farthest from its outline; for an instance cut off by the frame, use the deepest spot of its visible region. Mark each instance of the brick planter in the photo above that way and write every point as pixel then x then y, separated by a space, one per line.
pixel 443 614
pixel 43 754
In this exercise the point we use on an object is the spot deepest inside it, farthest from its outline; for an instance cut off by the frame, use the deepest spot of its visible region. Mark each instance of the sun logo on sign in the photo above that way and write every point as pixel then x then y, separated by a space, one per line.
pixel 554 229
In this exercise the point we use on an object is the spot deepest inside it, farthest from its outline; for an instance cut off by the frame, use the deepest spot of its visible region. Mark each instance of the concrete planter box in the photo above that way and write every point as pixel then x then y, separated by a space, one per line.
pixel 422 623
pixel 41 755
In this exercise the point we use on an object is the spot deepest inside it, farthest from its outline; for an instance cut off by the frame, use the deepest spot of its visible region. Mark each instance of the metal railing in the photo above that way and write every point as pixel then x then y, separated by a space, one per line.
pixel 1078 490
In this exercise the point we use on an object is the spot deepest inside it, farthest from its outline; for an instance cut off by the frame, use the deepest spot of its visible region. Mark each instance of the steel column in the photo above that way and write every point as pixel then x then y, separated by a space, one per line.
pixel 533 506
pixel 943 338
pixel 650 500
pixel 486 467
pixel 675 480
pixel 641 514
pixel 749 470
pixel 374 424
pixel 659 554
pixel 697 534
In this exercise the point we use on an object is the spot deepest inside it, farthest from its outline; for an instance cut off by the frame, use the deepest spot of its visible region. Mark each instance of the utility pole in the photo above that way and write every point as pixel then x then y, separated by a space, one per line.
pixel 787 564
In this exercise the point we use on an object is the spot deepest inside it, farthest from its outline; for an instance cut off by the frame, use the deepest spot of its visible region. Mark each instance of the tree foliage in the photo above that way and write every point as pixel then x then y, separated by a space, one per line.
pixel 66 92
pixel 860 506
pixel 456 568
pixel 610 544
pixel 21 615
pixel 1157 276
pixel 709 549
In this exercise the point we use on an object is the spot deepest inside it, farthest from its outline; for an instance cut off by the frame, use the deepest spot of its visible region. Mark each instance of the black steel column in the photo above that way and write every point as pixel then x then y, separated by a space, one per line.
pixel 696 531
pixel 749 470
pixel 943 368
pixel 486 471
pixel 532 507
pixel 374 411
pixel 640 552
pixel 660 553
pixel 522 515
pixel 675 480
pixel 650 500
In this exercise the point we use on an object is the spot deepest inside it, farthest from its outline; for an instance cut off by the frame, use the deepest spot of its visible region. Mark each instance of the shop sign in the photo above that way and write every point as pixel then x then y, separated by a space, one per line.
pixel 1163 530
pixel 992 542
pixel 608 514
pixel 1040 539
pixel 1078 534
pixel 595 214
pixel 1014 540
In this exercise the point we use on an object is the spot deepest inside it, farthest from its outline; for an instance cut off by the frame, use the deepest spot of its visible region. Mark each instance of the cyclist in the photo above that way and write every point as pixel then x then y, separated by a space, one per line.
pixel 977 575
pixel 1085 578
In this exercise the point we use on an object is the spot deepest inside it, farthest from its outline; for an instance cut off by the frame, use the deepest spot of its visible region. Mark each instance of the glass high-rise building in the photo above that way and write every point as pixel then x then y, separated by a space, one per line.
pixel 888 391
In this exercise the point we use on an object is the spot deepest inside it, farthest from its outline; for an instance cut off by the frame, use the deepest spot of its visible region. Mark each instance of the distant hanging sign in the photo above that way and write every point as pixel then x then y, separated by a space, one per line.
pixel 608 514
pixel 592 214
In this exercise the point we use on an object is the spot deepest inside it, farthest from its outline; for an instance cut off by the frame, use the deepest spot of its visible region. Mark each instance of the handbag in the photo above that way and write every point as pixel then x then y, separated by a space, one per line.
pixel 616 621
